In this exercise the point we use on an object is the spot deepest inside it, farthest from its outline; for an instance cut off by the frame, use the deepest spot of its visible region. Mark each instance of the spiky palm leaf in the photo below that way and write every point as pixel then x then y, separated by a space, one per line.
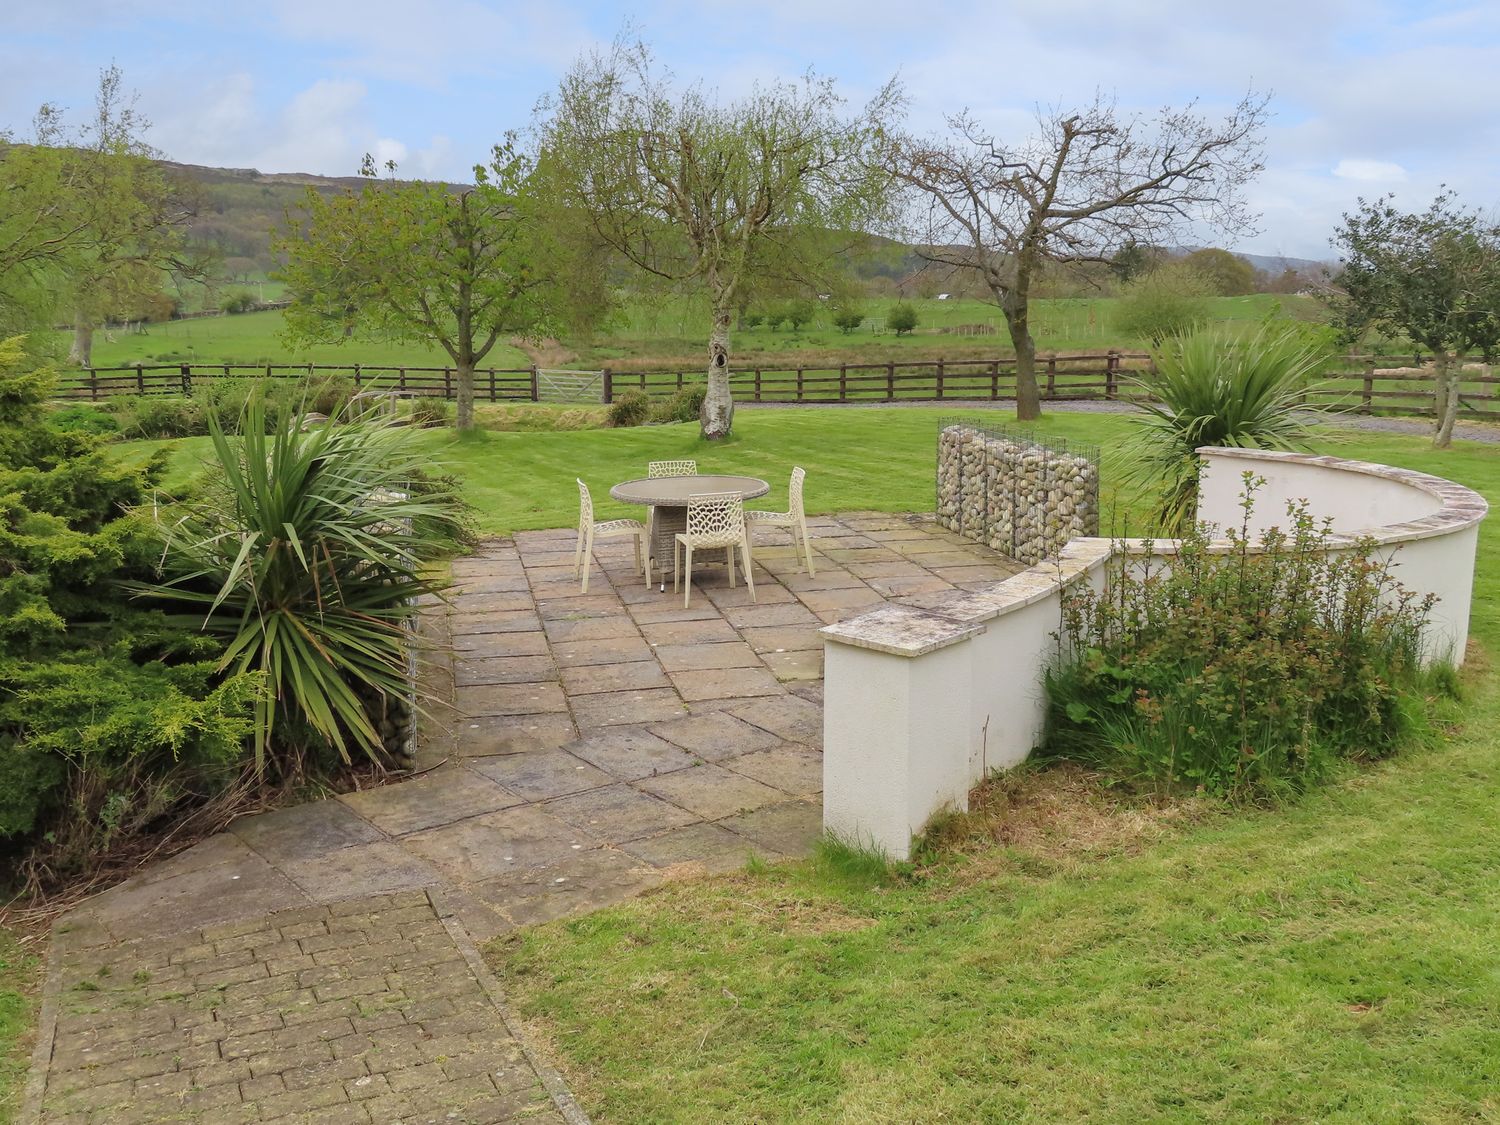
pixel 1215 388
pixel 306 557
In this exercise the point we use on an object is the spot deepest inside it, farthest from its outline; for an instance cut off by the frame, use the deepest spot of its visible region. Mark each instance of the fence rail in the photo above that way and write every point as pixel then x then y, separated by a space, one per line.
pixel 1354 383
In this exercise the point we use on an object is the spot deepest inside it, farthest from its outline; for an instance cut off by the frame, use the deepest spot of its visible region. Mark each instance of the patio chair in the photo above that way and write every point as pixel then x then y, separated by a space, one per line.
pixel 671 469
pixel 794 518
pixel 714 520
pixel 588 531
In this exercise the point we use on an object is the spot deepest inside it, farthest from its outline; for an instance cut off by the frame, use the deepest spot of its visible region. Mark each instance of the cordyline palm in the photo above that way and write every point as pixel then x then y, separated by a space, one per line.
pixel 1215 388
pixel 306 556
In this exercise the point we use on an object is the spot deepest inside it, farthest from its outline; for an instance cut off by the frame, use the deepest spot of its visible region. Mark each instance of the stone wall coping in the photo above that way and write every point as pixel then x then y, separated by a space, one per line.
pixel 951 616
pixel 900 630
pixel 1459 507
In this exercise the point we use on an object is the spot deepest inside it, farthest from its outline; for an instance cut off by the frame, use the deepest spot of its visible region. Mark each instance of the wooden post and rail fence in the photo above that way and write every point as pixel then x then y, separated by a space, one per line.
pixel 1358 383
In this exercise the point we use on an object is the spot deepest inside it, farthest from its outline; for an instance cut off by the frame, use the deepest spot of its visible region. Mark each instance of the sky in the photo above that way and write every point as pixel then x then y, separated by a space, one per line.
pixel 1368 97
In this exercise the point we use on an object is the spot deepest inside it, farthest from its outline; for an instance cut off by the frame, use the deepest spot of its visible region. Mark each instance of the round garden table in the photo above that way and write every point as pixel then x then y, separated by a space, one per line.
pixel 668 498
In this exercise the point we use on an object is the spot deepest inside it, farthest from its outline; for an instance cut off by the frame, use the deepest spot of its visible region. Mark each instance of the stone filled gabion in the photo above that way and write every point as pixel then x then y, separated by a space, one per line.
pixel 1015 495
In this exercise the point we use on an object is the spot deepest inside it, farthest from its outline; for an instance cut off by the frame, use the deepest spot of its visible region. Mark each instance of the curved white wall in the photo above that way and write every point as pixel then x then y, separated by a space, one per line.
pixel 920 702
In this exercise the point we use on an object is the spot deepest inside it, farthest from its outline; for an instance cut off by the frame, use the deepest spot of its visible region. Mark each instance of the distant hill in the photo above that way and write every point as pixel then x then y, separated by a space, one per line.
pixel 1272 264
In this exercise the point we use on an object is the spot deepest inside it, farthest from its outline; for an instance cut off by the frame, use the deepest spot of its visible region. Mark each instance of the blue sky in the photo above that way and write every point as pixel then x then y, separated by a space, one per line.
pixel 1368 97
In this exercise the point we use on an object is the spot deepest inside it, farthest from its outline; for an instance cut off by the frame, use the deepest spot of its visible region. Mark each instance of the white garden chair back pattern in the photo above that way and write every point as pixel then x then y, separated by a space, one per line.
pixel 671 469
pixel 714 520
pixel 794 517
pixel 589 530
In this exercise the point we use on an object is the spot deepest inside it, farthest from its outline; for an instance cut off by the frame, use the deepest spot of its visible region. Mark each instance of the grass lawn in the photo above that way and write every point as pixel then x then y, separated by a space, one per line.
pixel 20 972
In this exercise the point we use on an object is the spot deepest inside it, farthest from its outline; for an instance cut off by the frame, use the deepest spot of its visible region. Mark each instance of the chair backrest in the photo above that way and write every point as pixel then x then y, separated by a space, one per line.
pixel 716 515
pixel 794 491
pixel 671 468
pixel 585 504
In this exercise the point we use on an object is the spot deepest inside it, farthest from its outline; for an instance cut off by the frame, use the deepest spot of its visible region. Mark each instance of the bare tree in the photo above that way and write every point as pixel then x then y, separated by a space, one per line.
pixel 1083 187
pixel 692 189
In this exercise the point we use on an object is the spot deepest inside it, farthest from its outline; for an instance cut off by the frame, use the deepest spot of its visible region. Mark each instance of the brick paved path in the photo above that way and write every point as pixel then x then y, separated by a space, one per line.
pixel 591 747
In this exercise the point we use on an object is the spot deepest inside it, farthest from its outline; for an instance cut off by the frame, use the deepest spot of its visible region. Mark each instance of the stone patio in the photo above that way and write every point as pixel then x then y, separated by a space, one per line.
pixel 591 747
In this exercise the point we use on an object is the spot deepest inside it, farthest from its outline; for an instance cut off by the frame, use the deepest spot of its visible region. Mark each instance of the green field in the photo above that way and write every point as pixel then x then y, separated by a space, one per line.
pixel 674 334
pixel 255 338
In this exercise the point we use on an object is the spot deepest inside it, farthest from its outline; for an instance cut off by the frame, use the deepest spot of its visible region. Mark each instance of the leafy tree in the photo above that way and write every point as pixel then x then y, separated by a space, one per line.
pixel 1169 301
pixel 1433 276
pixel 847 319
pixel 417 260
pixel 1129 261
pixel 901 319
pixel 1076 191
pixel 722 194
pixel 797 312
pixel 92 221
pixel 1226 274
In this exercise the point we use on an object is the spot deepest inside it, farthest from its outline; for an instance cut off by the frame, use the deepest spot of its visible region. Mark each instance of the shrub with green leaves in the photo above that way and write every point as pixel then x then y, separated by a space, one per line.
pixel 1246 671
pixel 846 320
pixel 901 319
pixel 305 557
pixel 1214 387
pixel 630 408
pixel 112 716
pixel 1166 302
pixel 684 406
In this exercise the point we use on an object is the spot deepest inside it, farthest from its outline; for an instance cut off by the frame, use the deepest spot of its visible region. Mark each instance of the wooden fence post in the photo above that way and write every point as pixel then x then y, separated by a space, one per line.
pixel 757 384
pixel 609 388
pixel 843 382
pixel 492 386
pixel 140 378
pixel 939 381
pixel 799 384
pixel 357 381
pixel 1367 404
pixel 93 384
pixel 890 381
pixel 447 383
pixel 536 384
pixel 186 371
pixel 1111 374
pixel 1052 376
pixel 994 379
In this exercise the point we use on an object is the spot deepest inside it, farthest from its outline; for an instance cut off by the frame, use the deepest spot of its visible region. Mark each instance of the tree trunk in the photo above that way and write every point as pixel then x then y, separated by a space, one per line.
pixel 81 354
pixel 1445 399
pixel 1028 397
pixel 465 393
pixel 717 415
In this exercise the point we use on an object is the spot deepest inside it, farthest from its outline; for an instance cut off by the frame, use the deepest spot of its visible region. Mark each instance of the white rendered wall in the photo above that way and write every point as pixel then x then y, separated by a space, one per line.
pixel 920 703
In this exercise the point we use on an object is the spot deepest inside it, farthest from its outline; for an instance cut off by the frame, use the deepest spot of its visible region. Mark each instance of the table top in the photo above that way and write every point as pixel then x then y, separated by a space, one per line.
pixel 673 492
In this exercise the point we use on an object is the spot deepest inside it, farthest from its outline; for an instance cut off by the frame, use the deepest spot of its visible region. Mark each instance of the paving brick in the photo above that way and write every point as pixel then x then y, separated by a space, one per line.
pixel 711 792
pixel 631 752
pixel 594 678
pixel 541 775
pixel 725 683
pixel 617 812
pixel 621 708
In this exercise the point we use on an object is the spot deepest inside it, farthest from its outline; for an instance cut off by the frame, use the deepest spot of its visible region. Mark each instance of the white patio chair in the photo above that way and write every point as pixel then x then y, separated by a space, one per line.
pixel 671 469
pixel 588 531
pixel 714 520
pixel 794 518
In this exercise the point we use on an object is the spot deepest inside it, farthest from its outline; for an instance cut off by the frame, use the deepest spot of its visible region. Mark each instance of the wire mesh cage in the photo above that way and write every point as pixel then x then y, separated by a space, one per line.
pixel 1018 492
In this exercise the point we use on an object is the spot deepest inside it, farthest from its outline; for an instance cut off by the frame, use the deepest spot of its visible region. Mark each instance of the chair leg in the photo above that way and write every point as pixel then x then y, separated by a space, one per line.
pixel 806 546
pixel 687 578
pixel 588 559
pixel 729 562
pixel 577 552
pixel 749 578
pixel 676 569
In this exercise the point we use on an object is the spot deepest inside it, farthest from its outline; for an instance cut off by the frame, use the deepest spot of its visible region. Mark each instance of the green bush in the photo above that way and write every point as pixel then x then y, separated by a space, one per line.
pixel 751 320
pixel 307 557
pixel 684 406
pixel 847 320
pixel 901 319
pixel 1214 387
pixel 1167 302
pixel 426 411
pixel 1246 673
pixel 83 419
pixel 112 714
pixel 797 312
pixel 630 408
pixel 239 301
pixel 157 416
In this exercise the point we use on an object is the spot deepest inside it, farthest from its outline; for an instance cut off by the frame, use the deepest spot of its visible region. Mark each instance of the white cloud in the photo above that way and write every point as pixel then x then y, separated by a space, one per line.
pixel 1370 171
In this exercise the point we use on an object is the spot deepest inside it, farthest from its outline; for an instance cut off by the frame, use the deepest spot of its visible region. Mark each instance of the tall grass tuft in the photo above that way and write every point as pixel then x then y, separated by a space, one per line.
pixel 305 555
pixel 1213 387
